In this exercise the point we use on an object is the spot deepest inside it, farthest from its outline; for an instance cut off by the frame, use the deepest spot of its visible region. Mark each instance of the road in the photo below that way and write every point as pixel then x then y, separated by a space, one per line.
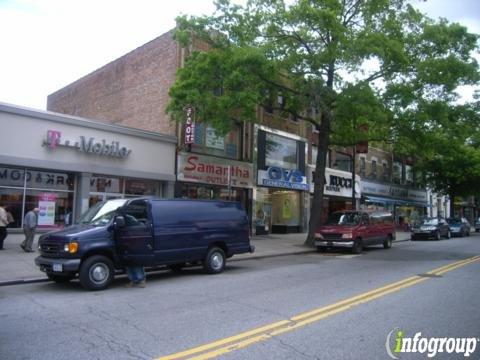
pixel 310 306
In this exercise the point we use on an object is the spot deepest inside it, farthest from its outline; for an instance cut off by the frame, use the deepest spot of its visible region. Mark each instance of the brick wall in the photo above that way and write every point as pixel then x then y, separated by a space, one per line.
pixel 130 91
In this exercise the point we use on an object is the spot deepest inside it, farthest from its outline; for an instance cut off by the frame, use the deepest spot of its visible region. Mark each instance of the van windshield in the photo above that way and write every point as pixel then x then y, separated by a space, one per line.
pixel 346 219
pixel 101 213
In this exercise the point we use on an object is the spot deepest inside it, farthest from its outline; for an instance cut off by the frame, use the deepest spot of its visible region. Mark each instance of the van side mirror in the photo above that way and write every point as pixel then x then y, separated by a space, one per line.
pixel 119 222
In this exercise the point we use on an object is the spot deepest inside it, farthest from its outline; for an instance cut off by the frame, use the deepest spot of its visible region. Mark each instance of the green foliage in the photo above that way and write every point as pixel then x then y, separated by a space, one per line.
pixel 339 64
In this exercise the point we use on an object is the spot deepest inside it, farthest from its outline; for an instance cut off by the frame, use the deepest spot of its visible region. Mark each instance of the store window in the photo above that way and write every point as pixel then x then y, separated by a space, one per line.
pixel 207 141
pixel 22 189
pixel 193 191
pixel 103 187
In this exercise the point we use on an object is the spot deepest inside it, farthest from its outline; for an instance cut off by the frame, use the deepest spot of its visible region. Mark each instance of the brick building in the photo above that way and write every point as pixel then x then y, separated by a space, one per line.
pixel 130 91
pixel 133 91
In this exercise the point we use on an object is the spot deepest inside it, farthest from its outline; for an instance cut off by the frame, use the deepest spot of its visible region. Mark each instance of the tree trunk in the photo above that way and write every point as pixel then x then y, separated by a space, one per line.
pixel 319 178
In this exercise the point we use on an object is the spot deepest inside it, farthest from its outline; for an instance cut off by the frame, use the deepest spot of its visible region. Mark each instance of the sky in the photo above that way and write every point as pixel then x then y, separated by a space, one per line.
pixel 47 44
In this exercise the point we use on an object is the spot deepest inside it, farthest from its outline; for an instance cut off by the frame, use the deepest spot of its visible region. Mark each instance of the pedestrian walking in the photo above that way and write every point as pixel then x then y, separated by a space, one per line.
pixel 3 225
pixel 29 225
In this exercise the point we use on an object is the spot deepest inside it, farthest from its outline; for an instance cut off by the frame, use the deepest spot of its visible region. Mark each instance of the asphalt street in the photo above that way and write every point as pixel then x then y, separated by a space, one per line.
pixel 318 306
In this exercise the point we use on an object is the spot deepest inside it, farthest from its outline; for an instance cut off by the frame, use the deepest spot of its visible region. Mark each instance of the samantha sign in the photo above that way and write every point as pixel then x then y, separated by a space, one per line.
pixel 86 145
pixel 215 171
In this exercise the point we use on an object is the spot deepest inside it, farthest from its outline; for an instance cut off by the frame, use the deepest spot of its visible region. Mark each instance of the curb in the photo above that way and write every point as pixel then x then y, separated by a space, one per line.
pixel 23 281
pixel 259 257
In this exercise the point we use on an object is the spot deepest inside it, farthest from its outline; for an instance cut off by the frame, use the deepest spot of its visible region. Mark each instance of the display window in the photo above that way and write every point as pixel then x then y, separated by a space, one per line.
pixel 23 189
pixel 275 208
pixel 12 201
pixel 193 191
pixel 54 207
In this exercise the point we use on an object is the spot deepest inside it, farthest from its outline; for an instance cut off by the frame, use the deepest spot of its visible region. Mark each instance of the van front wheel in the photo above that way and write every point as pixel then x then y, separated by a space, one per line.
pixel 96 272
pixel 214 262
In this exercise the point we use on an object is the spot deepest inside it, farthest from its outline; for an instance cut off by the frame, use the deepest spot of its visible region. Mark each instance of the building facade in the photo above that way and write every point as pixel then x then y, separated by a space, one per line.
pixel 64 164
pixel 267 167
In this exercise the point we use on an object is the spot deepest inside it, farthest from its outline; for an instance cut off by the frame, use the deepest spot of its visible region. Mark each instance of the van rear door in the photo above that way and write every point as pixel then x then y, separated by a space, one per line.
pixel 135 240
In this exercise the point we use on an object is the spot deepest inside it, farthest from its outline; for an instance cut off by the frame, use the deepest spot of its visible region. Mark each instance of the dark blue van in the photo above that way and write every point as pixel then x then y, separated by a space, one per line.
pixel 147 231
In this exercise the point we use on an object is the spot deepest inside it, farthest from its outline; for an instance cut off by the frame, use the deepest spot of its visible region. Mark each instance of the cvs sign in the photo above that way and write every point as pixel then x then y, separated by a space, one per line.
pixel 276 176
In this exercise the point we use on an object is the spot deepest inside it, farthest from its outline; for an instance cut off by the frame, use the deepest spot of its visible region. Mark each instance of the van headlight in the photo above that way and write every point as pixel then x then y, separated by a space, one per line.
pixel 71 248
pixel 318 236
pixel 347 236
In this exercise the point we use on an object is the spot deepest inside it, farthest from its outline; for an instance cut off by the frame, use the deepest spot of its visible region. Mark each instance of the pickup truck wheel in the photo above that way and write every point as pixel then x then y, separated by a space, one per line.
pixel 214 262
pixel 357 246
pixel 60 278
pixel 387 244
pixel 96 272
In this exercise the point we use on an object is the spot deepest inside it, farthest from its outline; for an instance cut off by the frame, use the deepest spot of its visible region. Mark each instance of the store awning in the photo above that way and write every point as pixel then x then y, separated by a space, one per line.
pixel 382 200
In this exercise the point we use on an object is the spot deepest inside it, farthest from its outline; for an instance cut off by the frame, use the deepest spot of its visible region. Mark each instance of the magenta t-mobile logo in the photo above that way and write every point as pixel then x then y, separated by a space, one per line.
pixel 53 138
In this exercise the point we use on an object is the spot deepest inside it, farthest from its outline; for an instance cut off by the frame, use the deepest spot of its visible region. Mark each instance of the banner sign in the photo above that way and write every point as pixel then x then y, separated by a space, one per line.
pixel 215 171
pixel 190 127
pixel 276 176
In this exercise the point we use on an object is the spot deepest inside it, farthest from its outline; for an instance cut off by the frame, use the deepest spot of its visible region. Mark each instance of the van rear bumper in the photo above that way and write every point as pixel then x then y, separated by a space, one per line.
pixel 347 244
pixel 66 265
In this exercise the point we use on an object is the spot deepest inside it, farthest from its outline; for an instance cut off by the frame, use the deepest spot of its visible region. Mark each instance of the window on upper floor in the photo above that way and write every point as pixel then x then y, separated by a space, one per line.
pixel 385 173
pixel 373 171
pixel 408 174
pixel 397 172
pixel 208 142
pixel 362 167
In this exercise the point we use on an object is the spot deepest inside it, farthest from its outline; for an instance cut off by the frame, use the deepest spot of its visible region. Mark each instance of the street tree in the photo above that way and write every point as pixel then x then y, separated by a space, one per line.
pixel 338 64
pixel 447 150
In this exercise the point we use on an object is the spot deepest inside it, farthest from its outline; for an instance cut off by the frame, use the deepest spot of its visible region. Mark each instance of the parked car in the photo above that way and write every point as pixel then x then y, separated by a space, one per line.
pixel 477 225
pixel 356 230
pixel 147 231
pixel 431 228
pixel 459 226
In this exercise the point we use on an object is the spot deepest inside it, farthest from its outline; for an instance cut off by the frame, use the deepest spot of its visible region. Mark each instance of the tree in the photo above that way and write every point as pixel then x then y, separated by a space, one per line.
pixel 448 154
pixel 336 62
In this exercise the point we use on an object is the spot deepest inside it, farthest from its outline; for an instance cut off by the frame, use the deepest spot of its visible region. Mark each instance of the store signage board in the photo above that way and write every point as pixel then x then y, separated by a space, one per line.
pixel 189 126
pixel 338 183
pixel 89 146
pixel 276 176
pixel 215 171
pixel 392 191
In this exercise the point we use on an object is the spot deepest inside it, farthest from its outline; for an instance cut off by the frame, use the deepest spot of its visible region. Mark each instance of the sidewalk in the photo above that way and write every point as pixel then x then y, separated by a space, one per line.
pixel 18 267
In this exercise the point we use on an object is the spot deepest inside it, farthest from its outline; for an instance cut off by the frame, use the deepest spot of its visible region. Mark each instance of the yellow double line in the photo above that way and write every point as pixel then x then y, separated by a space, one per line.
pixel 263 333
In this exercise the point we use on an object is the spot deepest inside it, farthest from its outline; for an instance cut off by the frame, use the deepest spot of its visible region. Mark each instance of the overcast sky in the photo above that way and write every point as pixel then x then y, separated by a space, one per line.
pixel 47 44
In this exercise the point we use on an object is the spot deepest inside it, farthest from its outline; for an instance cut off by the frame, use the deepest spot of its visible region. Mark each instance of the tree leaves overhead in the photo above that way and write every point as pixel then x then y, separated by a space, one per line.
pixel 337 64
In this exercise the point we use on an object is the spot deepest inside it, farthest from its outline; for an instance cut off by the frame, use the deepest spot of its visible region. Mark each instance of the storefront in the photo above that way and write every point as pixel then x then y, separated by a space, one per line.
pixel 279 194
pixel 209 177
pixel 64 164
pixel 337 191
pixel 408 205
